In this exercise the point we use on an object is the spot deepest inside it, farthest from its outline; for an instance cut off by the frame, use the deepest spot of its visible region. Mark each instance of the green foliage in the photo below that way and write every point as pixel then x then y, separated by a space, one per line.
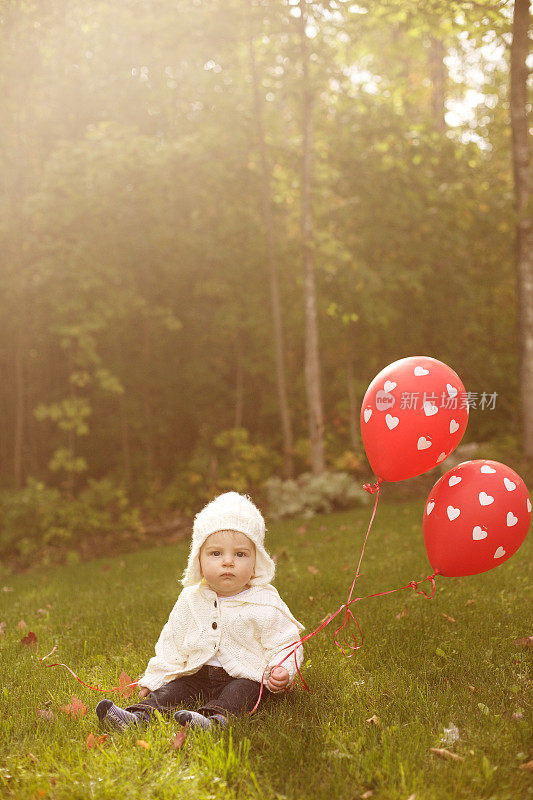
pixel 229 462
pixel 241 465
pixel 37 520
pixel 133 240
pixel 310 494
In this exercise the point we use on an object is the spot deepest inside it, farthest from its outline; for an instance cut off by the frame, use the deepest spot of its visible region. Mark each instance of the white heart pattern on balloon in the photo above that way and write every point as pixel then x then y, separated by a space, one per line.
pixel 485 499
pixel 453 513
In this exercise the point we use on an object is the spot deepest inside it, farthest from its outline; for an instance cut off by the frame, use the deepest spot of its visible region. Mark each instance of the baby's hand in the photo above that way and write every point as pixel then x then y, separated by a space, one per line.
pixel 143 691
pixel 279 678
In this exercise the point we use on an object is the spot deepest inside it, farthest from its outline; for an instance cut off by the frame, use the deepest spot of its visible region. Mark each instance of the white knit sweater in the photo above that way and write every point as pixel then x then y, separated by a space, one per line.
pixel 247 633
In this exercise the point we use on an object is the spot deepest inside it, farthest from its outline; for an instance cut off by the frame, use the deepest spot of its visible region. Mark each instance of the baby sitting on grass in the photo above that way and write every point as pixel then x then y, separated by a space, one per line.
pixel 227 631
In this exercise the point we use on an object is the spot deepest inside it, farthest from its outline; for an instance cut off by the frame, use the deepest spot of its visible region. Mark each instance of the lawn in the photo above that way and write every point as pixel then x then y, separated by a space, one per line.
pixel 425 666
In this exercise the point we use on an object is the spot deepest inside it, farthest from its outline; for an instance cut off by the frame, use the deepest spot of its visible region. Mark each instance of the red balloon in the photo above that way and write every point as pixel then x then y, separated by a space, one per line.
pixel 414 414
pixel 475 518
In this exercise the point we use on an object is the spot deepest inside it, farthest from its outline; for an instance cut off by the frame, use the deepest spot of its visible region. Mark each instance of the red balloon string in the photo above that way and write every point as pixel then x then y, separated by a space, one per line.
pixel 120 689
pixel 348 613
pixel 375 489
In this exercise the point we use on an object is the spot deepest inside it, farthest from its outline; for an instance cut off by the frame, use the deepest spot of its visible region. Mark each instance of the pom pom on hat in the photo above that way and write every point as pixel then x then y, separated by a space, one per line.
pixel 230 512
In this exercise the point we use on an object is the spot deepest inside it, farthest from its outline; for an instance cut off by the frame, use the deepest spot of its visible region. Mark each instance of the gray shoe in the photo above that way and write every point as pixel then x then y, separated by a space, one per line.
pixel 107 711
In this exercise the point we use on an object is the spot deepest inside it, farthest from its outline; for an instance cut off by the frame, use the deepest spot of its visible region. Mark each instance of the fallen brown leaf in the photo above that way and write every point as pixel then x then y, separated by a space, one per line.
pixel 450 619
pixel 374 720
pixel 473 688
pixel 527 767
pixel 403 613
pixel 21 624
pixel 367 794
pixel 301 530
pixel 32 757
pixel 179 739
pixel 45 713
pixel 412 797
pixel 527 642
pixel 75 708
pixel 142 743
pixel 95 741
pixel 7 588
pixel 310 598
pixel 470 602
pixel 125 689
pixel 312 570
pixel 441 752
pixel 41 611
pixel 3 626
pixel 29 640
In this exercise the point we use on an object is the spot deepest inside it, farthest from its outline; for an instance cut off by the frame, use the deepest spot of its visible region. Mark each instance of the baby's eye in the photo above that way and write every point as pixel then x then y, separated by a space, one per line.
pixel 241 554
pixel 215 553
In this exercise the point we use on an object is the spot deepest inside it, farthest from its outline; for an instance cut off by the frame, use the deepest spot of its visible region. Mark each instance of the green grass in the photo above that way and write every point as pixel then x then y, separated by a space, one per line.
pixel 414 673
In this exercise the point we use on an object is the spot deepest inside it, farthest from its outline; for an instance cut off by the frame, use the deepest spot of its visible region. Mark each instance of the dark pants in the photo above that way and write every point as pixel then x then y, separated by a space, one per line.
pixel 224 694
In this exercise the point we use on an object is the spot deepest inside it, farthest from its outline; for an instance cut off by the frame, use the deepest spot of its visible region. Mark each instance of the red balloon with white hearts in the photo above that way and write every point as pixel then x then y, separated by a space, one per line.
pixel 414 414
pixel 476 516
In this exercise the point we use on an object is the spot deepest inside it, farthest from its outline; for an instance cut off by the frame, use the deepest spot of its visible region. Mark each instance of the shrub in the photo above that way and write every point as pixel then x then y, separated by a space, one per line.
pixel 39 519
pixel 231 462
pixel 310 494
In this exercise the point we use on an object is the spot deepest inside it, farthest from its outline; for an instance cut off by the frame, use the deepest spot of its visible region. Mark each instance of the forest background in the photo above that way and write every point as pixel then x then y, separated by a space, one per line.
pixel 217 213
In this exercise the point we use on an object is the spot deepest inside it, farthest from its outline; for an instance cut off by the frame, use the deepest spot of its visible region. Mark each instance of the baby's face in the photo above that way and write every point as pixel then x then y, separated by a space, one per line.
pixel 227 561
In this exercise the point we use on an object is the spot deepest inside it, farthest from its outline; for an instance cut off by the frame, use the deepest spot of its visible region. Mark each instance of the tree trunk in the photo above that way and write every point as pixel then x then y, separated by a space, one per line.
pixel 124 428
pixel 524 227
pixel 352 399
pixel 312 356
pixel 20 391
pixel 270 248
pixel 147 403
pixel 437 70
pixel 239 383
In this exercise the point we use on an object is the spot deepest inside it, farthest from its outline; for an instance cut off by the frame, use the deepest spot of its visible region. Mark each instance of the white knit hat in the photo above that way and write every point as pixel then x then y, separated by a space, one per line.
pixel 230 512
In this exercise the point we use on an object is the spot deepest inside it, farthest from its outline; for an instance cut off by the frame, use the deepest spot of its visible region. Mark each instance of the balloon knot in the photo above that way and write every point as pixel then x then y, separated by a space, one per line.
pixel 413 585
pixel 372 488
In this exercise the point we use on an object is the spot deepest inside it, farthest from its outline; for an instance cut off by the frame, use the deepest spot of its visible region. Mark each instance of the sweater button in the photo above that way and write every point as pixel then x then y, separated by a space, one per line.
pixel 214 626
pixel 215 603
